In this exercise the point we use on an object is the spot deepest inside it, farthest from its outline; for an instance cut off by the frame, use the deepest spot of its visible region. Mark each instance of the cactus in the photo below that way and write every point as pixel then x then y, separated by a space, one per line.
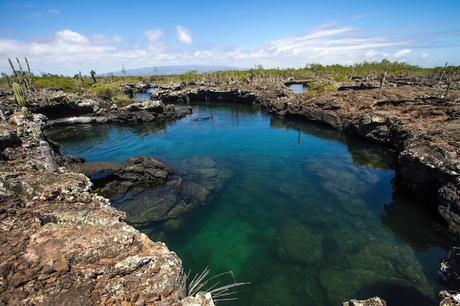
pixel 19 95
pixel 29 75
pixel 93 75
pixel 16 74
pixel 79 80
pixel 24 78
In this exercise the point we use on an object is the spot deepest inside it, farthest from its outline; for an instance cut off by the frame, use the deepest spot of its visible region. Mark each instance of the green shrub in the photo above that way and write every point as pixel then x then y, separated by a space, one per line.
pixel 110 91
pixel 320 86
pixel 61 82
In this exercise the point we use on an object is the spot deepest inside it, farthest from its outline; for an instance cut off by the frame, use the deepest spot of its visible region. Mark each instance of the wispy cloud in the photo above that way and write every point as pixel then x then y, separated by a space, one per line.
pixel 67 51
pixel 184 35
pixel 402 52
pixel 153 35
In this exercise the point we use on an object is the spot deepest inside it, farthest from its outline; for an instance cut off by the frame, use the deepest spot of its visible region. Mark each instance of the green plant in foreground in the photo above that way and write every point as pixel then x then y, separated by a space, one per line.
pixel 19 95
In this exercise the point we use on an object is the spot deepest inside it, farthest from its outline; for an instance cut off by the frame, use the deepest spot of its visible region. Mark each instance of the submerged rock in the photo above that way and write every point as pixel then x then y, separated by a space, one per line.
pixel 375 264
pixel 194 181
pixel 168 203
pixel 298 244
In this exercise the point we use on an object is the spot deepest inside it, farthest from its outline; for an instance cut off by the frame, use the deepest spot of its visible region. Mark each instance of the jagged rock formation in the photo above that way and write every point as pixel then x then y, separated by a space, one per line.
pixel 449 298
pixel 193 182
pixel 375 301
pixel 61 244
pixel 415 120
pixel 450 278
pixel 67 109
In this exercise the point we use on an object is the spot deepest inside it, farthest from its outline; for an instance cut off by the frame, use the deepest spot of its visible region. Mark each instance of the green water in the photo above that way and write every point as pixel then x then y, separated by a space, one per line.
pixel 307 215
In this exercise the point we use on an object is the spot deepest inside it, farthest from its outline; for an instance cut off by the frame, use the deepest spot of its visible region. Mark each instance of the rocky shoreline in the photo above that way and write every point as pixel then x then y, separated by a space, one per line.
pixel 62 244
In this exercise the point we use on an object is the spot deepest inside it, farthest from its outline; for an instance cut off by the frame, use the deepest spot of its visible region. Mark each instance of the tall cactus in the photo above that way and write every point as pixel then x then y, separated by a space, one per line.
pixel 79 80
pixel 19 95
pixel 29 75
pixel 93 75
pixel 14 71
pixel 24 79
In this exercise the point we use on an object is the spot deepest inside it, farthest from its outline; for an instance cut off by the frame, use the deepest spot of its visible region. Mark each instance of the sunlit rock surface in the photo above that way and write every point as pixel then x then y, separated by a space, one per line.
pixel 61 244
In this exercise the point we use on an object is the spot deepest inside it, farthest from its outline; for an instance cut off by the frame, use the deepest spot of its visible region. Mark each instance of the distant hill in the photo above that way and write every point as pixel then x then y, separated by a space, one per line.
pixel 170 70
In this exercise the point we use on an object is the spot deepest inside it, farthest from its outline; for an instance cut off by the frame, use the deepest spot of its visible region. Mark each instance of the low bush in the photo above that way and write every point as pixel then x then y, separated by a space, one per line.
pixel 110 91
pixel 321 86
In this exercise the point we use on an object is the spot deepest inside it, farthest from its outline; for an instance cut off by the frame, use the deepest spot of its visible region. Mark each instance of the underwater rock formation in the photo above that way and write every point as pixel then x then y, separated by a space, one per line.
pixel 190 187
pixel 296 243
pixel 375 262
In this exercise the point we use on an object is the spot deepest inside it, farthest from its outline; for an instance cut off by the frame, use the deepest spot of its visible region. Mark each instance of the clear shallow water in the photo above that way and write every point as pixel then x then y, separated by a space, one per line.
pixel 143 96
pixel 298 88
pixel 308 216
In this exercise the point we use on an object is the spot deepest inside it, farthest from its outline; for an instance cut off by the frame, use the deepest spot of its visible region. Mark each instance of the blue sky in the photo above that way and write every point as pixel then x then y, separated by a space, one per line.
pixel 67 36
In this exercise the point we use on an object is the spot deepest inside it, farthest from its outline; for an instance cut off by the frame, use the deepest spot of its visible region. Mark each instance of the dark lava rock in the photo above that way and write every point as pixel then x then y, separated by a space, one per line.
pixel 450 269
pixel 166 205
pixel 136 172
pixel 8 138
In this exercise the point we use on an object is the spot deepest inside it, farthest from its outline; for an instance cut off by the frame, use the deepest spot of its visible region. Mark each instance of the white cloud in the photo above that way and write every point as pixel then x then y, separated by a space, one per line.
pixel 68 51
pixel 371 53
pixel 53 11
pixel 402 52
pixel 70 36
pixel 183 35
pixel 153 35
pixel 424 55
pixel 104 39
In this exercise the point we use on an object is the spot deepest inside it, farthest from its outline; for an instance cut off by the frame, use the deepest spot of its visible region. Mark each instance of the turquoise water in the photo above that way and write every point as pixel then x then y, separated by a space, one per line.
pixel 307 215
